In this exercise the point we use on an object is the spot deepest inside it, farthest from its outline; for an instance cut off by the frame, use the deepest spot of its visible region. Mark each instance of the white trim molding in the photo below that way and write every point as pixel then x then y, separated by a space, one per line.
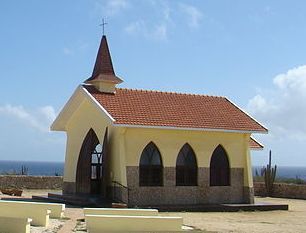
pixel 262 145
pixel 96 103
pixel 248 115
pixel 188 129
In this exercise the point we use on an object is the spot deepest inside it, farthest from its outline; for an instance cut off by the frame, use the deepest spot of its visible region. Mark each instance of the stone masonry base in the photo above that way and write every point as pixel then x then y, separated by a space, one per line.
pixel 170 194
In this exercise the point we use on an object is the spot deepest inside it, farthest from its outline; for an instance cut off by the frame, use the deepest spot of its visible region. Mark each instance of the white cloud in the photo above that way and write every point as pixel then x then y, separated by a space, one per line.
pixel 67 51
pixel 115 6
pixel 154 27
pixel 75 47
pixel 283 109
pixel 48 112
pixel 108 8
pixel 164 16
pixel 39 119
pixel 293 81
pixel 194 15
pixel 160 32
pixel 27 131
pixel 135 27
pixel 156 32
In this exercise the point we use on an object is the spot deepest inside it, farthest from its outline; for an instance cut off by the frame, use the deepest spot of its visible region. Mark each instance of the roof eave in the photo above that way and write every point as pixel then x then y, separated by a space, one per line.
pixel 189 128
pixel 265 129
pixel 100 78
pixel 256 149
pixel 60 122
pixel 261 146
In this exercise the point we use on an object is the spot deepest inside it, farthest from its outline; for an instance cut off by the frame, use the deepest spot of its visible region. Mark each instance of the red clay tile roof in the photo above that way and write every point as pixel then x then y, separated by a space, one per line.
pixel 154 108
pixel 254 145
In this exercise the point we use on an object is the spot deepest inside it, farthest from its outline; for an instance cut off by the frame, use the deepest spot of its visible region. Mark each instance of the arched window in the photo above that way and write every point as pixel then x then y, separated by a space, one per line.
pixel 150 167
pixel 219 168
pixel 186 167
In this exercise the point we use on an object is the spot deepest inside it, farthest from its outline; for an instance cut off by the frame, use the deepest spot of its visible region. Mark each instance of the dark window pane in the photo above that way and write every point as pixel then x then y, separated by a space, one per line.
pixel 219 168
pixel 150 167
pixel 93 172
pixel 186 167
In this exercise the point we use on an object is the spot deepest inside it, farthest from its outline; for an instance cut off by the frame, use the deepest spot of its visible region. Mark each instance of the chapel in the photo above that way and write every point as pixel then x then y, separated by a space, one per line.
pixel 144 147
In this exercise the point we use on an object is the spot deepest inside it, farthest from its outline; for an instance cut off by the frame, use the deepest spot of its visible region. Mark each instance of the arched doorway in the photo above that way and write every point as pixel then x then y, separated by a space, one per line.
pixel 91 169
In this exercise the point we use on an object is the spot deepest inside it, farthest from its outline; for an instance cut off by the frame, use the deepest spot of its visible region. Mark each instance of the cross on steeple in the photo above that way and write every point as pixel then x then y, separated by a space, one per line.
pixel 102 25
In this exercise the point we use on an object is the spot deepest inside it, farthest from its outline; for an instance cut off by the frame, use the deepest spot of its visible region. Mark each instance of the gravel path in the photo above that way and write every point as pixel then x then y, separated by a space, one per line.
pixel 73 214
pixel 54 226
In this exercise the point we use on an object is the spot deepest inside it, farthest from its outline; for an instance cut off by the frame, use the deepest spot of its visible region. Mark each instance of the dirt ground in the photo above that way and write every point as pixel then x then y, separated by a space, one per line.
pixel 293 220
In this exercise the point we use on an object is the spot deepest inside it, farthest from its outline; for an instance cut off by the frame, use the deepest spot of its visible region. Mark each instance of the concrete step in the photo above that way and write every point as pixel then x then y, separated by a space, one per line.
pixel 78 200
pixel 221 207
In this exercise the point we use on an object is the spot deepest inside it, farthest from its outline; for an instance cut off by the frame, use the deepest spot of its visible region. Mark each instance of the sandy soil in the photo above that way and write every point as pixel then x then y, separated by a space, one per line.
pixel 293 220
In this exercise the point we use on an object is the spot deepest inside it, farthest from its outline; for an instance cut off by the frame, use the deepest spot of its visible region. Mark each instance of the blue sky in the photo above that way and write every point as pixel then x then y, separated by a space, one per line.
pixel 253 52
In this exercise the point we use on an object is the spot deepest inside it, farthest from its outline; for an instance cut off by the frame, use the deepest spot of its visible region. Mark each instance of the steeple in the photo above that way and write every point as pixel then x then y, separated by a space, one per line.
pixel 103 76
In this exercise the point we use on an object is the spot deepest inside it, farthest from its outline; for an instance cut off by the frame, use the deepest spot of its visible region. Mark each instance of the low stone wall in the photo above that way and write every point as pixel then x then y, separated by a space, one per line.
pixel 31 182
pixel 282 190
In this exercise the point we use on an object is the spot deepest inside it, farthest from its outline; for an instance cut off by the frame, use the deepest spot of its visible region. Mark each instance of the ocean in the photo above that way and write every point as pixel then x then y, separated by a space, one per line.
pixel 57 168
pixel 286 172
pixel 34 168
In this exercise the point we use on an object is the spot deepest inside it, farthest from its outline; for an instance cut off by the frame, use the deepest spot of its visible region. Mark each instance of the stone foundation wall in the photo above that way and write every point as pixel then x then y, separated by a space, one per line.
pixel 170 194
pixel 282 190
pixel 31 182
pixel 119 194
pixel 69 187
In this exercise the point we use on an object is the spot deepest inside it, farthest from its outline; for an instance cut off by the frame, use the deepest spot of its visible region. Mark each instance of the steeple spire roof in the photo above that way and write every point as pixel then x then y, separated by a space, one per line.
pixel 103 70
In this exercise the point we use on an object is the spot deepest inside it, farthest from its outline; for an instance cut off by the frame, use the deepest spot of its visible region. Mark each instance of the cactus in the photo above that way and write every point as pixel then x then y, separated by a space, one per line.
pixel 269 175
pixel 24 170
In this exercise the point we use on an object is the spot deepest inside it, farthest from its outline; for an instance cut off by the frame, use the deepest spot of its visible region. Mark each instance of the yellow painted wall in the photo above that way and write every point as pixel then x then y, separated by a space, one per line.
pixel 121 223
pixel 15 209
pixel 127 144
pixel 118 211
pixel 248 176
pixel 105 87
pixel 118 156
pixel 87 116
pixel 169 143
pixel 15 225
